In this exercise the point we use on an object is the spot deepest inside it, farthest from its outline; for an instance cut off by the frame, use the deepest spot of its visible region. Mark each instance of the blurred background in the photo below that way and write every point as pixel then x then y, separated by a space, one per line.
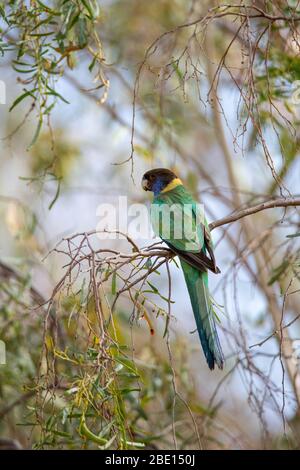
pixel 96 94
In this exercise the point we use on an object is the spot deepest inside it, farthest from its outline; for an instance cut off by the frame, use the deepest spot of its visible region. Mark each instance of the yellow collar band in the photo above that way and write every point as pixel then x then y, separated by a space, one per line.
pixel 172 185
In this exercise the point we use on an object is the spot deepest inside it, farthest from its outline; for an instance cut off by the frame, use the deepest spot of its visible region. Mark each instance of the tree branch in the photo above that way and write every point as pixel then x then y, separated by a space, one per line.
pixel 280 202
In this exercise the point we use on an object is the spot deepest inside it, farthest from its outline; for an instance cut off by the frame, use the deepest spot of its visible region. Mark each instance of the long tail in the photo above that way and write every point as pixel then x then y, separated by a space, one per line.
pixel 197 284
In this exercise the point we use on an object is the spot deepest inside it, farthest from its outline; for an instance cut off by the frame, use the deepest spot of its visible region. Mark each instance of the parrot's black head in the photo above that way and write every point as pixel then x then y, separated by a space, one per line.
pixel 156 180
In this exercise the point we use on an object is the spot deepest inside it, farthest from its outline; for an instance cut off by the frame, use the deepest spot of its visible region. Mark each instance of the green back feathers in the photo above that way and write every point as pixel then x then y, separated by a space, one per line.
pixel 176 210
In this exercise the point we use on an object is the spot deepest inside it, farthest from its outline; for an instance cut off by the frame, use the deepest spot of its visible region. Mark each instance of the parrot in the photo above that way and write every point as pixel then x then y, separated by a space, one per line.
pixel 172 209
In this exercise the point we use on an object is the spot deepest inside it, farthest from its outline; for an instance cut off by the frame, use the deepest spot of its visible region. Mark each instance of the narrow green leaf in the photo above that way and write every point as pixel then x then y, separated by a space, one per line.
pixel 55 93
pixel 49 109
pixel 74 21
pixel 2 13
pixel 24 71
pixel 22 97
pixel 41 34
pixel 294 235
pixel 279 271
pixel 82 32
pixel 89 9
pixel 45 21
pixel 154 289
pixel 84 431
pixel 166 326
pixel 125 391
pixel 36 134
pixel 92 64
pixel 114 283
pixel 107 428
pixel 177 71
pixel 48 9
pixel 56 194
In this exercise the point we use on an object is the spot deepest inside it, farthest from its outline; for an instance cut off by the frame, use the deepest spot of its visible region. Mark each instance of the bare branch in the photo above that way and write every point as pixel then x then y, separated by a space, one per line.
pixel 280 202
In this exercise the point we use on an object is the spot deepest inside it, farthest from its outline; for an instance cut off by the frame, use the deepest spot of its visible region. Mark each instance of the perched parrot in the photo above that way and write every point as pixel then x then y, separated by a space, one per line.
pixel 194 248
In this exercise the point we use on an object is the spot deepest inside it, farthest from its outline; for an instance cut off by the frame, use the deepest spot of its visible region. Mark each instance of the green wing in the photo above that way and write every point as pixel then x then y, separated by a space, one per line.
pixel 184 228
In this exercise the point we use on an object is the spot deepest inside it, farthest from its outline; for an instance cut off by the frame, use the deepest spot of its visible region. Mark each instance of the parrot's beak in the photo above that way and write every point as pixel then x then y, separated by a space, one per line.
pixel 145 184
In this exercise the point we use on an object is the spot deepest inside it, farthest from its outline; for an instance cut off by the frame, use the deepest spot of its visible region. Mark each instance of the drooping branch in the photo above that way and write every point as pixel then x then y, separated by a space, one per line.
pixel 280 202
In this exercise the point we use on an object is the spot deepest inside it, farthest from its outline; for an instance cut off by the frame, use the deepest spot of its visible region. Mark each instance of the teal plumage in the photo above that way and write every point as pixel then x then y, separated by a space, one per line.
pixel 194 248
pixel 197 284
